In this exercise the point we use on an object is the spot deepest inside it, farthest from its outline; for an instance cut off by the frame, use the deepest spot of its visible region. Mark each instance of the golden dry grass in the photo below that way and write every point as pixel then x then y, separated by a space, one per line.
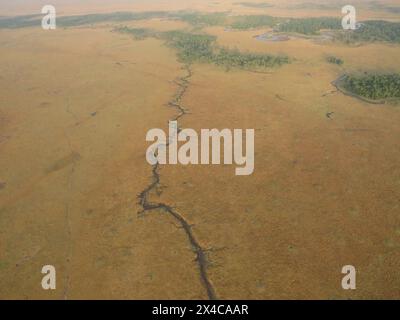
pixel 75 106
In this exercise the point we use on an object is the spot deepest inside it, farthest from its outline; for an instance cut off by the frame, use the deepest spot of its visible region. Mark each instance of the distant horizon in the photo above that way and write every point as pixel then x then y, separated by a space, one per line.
pixel 74 7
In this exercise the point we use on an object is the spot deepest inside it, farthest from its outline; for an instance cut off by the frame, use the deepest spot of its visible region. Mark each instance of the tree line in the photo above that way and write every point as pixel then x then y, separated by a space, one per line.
pixel 203 48
pixel 195 47
pixel 368 31
pixel 309 26
pixel 371 31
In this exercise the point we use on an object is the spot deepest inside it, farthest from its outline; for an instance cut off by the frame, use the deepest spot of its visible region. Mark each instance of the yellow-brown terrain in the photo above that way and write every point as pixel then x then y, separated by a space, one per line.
pixel 75 106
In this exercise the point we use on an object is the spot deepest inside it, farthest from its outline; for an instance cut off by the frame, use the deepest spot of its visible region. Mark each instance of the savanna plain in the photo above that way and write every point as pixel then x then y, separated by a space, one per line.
pixel 76 191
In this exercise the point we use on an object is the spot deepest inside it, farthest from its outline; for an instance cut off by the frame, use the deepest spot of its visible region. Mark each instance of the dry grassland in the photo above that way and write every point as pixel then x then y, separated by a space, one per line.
pixel 75 106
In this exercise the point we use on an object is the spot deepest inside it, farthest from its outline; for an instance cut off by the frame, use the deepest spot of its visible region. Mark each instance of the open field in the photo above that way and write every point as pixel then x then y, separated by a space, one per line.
pixel 76 191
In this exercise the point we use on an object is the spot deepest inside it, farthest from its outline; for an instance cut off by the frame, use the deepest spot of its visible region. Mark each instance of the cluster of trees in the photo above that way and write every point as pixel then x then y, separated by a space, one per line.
pixel 202 48
pixel 222 19
pixel 201 19
pixel 368 31
pixel 372 31
pixel 334 60
pixel 235 58
pixel 310 26
pixel 373 86
pixel 253 22
pixel 137 33
pixel 191 47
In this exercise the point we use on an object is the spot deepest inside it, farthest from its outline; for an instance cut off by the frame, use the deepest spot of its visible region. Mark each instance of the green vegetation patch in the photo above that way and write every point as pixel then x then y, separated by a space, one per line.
pixel 137 33
pixel 201 19
pixel 310 26
pixel 196 47
pixel 247 60
pixel 253 22
pixel 370 31
pixel 202 48
pixel 191 47
pixel 372 86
